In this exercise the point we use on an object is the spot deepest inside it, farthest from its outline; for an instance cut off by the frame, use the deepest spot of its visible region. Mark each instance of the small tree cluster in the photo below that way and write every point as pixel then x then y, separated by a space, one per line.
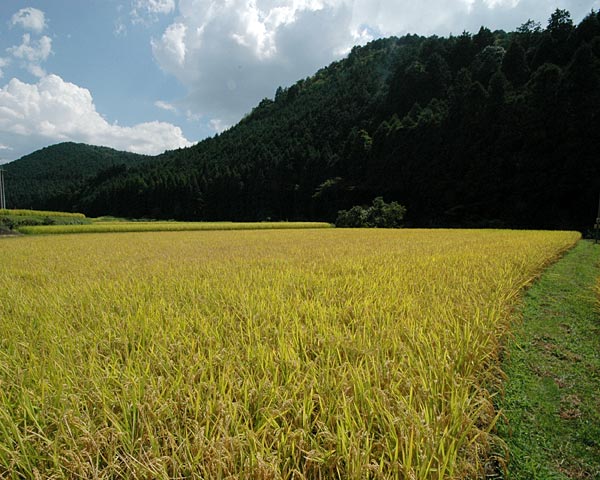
pixel 378 215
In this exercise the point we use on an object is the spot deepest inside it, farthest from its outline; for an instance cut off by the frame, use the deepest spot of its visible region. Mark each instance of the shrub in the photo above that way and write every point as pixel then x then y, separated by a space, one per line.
pixel 378 215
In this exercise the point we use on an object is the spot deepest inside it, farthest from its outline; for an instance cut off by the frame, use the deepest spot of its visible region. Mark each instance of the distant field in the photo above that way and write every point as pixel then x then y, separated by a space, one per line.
pixel 121 226
pixel 257 354
pixel 40 213
pixel 11 220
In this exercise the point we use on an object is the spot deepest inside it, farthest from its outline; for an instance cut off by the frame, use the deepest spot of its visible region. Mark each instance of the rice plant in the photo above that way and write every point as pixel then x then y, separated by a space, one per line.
pixel 276 354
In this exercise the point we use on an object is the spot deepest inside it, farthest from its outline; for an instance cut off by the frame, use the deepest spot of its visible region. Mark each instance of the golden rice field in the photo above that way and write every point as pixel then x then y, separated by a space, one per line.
pixel 119 226
pixel 4 211
pixel 277 354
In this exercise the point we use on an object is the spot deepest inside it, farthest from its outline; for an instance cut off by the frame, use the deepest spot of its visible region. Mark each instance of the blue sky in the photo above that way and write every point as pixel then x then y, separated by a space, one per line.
pixel 150 75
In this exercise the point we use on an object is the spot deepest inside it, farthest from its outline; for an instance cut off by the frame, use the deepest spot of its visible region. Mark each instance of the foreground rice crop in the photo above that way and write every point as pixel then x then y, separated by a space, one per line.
pixel 257 354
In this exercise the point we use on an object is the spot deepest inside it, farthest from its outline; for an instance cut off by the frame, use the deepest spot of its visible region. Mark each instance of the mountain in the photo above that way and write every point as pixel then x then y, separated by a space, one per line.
pixel 492 129
pixel 50 177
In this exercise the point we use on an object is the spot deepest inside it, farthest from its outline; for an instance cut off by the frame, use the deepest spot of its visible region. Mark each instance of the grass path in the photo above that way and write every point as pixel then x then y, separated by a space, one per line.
pixel 552 396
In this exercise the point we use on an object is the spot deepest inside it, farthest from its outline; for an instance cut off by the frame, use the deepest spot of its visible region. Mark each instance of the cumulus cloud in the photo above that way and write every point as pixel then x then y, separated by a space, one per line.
pixel 147 11
pixel 33 53
pixel 30 19
pixel 231 54
pixel 172 47
pixel 52 110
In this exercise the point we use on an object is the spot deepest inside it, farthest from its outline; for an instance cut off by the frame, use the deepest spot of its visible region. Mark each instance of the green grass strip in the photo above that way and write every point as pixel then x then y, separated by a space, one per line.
pixel 551 401
pixel 110 227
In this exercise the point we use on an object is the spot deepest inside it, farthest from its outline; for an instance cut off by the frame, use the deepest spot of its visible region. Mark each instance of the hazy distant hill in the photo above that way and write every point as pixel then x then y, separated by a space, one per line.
pixel 51 176
pixel 491 129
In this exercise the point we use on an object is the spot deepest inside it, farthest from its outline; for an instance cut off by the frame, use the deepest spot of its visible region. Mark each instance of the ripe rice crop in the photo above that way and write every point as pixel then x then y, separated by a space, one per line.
pixel 109 227
pixel 40 213
pixel 275 354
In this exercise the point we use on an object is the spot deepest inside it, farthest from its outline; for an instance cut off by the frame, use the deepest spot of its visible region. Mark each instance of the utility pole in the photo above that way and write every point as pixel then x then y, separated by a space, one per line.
pixel 2 192
pixel 597 225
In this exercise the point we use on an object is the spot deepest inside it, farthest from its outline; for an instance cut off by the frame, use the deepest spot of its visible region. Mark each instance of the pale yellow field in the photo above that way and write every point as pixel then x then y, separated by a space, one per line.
pixel 257 354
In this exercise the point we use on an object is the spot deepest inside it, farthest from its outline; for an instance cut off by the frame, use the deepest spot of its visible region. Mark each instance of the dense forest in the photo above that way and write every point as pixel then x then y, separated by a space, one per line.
pixel 50 178
pixel 492 129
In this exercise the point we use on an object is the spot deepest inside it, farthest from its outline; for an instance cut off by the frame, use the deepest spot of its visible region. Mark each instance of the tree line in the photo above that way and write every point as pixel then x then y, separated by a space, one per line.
pixel 492 129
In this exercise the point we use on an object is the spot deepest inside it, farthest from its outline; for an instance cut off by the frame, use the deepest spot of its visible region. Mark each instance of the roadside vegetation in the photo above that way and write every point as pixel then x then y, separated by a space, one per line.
pixel 551 419
pixel 330 353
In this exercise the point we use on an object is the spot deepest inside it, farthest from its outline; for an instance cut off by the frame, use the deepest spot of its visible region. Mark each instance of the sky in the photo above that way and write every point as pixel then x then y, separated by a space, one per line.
pixel 152 75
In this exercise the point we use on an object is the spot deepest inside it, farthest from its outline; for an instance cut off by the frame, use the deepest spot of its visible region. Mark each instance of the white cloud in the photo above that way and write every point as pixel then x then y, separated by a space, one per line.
pixel 156 6
pixel 502 3
pixel 192 117
pixel 4 62
pixel 165 106
pixel 52 110
pixel 147 11
pixel 30 19
pixel 230 54
pixel 36 70
pixel 33 53
pixel 120 28
pixel 172 47
pixel 218 125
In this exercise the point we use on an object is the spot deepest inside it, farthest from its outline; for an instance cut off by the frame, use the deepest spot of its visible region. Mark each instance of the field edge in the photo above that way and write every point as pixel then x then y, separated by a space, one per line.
pixel 549 424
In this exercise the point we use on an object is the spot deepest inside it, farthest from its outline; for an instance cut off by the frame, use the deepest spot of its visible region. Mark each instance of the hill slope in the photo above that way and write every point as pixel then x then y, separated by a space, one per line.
pixel 492 129
pixel 48 178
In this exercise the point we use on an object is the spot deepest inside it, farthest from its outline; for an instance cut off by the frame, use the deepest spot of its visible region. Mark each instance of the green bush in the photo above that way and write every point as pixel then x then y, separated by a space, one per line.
pixel 378 215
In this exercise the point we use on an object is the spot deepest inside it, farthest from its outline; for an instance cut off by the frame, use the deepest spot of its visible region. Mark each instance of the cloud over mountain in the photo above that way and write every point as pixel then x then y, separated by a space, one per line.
pixel 53 110
pixel 229 55
pixel 33 115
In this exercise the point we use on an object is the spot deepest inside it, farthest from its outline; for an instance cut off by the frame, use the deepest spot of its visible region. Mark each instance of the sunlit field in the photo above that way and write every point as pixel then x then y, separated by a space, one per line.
pixel 114 227
pixel 4 211
pixel 272 354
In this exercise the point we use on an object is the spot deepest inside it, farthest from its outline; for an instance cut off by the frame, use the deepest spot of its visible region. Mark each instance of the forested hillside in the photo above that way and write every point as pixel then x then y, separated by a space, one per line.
pixel 50 178
pixel 490 129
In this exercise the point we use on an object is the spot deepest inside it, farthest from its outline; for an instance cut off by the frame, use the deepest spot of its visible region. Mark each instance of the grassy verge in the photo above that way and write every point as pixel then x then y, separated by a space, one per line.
pixel 551 401
pixel 114 227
